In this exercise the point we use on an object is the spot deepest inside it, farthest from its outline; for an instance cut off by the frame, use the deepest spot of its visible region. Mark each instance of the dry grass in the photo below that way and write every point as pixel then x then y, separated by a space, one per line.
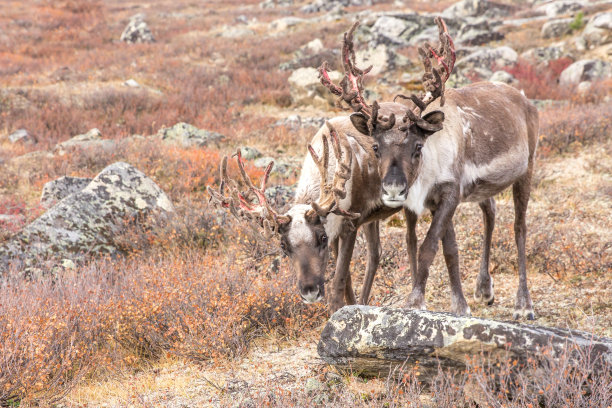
pixel 194 293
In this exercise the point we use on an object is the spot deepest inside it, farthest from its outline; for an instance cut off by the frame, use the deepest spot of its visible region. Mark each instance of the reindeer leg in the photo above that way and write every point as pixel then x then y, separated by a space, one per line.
pixel 520 192
pixel 372 233
pixel 411 242
pixel 484 283
pixel 345 253
pixel 349 295
pixel 448 200
pixel 459 305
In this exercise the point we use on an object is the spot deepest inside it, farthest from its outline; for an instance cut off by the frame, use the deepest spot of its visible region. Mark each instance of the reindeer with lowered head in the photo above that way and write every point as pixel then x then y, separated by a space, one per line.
pixel 457 145
pixel 336 194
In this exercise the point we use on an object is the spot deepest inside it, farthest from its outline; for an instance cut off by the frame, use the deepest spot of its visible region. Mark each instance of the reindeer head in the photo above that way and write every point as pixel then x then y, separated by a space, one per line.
pixel 304 231
pixel 398 146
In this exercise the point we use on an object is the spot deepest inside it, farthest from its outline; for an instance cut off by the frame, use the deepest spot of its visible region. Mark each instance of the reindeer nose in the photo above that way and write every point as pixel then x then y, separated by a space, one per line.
pixel 310 294
pixel 393 190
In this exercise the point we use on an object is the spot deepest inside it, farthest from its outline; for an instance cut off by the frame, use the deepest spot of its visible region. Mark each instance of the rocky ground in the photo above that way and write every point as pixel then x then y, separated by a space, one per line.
pixel 170 87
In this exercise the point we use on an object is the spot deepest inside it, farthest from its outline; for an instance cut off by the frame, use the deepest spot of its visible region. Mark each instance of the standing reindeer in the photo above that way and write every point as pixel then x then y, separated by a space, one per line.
pixel 464 144
pixel 327 210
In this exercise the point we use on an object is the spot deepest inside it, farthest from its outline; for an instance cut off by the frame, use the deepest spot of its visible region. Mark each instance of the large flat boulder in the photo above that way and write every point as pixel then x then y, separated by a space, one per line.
pixel 86 222
pixel 374 340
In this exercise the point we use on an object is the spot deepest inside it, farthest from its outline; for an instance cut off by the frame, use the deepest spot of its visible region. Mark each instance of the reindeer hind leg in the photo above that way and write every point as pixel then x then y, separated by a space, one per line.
pixel 520 191
pixel 484 283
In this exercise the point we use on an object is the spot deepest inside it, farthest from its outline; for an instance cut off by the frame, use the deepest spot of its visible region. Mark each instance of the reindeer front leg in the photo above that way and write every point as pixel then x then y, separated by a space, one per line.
pixel 442 215
pixel 341 277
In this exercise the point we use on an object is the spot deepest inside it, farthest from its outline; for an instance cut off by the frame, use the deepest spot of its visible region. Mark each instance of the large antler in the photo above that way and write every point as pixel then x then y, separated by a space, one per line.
pixel 240 205
pixel 351 87
pixel 333 191
pixel 434 79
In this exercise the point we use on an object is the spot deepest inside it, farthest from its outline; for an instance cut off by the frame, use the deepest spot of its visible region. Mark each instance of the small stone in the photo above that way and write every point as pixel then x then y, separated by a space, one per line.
pixel 137 31
pixel 503 76
pixel 313 386
pixel 584 87
pixel 21 136
pixel 306 88
pixel 187 135
pixel 249 153
pixel 131 83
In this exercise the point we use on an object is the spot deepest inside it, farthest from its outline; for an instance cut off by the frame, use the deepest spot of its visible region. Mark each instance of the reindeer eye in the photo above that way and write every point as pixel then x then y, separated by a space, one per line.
pixel 284 248
pixel 419 147
pixel 323 239
pixel 375 148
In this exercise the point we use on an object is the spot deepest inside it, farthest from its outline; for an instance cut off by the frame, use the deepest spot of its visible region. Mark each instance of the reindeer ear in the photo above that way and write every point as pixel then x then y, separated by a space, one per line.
pixel 360 121
pixel 312 217
pixel 432 122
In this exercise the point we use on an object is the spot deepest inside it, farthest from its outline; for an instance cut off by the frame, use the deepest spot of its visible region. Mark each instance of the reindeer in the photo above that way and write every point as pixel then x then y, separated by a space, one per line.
pixel 464 144
pixel 327 210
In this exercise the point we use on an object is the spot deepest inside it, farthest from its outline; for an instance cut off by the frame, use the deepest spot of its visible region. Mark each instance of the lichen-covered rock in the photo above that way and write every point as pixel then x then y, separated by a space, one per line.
pixel 476 8
pixel 557 28
pixel 391 30
pixel 329 5
pixel 21 136
pixel 306 88
pixel 280 196
pixel 86 222
pixel 560 7
pixel 541 55
pixel 585 70
pixel 90 140
pixel 477 32
pixel 56 190
pixel 186 135
pixel 373 340
pixel 503 76
pixel 137 31
pixel 481 63
pixel 599 29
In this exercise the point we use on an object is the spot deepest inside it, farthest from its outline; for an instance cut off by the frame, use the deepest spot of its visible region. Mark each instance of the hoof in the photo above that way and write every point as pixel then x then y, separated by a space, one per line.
pixel 527 314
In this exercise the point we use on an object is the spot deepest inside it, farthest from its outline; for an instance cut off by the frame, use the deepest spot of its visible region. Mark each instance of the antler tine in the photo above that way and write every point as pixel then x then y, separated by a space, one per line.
pixel 262 210
pixel 433 80
pixel 334 191
pixel 351 87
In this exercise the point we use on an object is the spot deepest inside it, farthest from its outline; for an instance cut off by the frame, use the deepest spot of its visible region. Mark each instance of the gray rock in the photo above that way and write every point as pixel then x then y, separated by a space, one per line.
pixel 249 153
pixel 489 57
pixel 542 54
pixel 585 70
pixel 295 122
pixel 280 195
pixel 476 8
pixel 373 340
pixel 86 222
pixel 137 31
pixel 284 23
pixel 503 76
pixel 90 140
pixel 56 190
pixel 599 29
pixel 329 5
pixel 481 63
pixel 236 32
pixel 478 34
pixel 186 135
pixel 391 30
pixel 557 28
pixel 21 136
pixel 281 166
pixel 306 88
pixel 275 3
pixel 560 7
